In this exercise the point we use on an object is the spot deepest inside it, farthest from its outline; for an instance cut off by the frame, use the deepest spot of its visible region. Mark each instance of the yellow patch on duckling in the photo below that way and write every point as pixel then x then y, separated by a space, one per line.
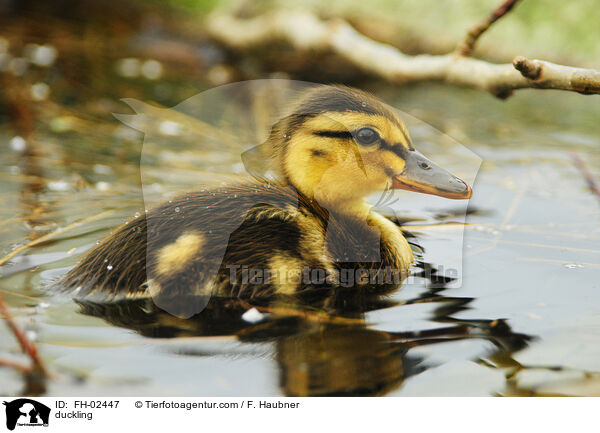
pixel 153 288
pixel 393 237
pixel 176 256
pixel 285 273
pixel 312 243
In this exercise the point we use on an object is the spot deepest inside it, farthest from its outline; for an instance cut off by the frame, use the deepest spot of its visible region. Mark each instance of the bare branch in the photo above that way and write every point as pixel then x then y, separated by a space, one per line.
pixel 305 31
pixel 546 75
pixel 465 48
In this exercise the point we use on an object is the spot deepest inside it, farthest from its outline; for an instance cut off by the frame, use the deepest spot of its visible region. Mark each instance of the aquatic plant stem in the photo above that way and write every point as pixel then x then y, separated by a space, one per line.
pixel 52 235
pixel 25 369
pixel 587 175
pixel 27 346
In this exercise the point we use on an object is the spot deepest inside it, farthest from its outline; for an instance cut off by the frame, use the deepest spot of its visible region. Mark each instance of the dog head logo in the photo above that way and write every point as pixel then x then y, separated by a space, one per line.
pixel 26 412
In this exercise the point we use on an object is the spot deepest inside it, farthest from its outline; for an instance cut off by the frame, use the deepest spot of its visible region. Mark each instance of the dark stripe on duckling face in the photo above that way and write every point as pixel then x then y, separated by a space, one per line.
pixel 333 134
pixel 398 148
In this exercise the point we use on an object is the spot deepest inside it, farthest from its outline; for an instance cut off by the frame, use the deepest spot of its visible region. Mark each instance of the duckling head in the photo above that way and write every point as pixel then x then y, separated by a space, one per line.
pixel 340 145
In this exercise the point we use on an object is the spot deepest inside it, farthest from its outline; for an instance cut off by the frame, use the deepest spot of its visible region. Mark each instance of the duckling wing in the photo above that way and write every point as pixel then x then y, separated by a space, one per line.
pixel 193 247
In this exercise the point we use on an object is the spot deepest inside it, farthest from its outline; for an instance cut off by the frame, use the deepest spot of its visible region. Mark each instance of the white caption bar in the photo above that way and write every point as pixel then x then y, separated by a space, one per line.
pixel 44 414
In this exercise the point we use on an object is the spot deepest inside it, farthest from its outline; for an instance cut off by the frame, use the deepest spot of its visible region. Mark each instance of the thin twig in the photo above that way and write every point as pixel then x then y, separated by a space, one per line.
pixel 27 346
pixel 52 235
pixel 465 48
pixel 587 175
pixel 307 32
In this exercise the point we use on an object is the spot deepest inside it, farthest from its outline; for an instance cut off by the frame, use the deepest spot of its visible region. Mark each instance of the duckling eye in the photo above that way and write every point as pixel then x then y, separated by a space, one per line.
pixel 366 136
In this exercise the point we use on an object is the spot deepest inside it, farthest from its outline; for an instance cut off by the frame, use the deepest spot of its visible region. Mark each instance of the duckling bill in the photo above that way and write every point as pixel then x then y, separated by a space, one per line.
pixel 293 236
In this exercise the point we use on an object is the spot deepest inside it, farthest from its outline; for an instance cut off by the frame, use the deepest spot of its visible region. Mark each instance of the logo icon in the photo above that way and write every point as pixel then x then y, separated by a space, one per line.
pixel 26 412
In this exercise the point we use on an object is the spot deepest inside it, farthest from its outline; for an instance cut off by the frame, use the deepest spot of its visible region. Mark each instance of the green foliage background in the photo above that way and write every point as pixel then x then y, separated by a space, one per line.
pixel 556 30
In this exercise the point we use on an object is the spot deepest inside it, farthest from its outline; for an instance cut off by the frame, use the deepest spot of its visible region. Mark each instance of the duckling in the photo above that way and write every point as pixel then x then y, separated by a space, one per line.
pixel 303 232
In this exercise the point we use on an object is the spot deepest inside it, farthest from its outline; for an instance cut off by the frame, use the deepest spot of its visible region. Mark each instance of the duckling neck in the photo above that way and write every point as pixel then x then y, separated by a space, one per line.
pixel 358 208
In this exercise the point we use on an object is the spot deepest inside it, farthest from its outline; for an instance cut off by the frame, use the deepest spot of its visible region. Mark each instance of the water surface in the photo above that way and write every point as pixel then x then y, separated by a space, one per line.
pixel 523 318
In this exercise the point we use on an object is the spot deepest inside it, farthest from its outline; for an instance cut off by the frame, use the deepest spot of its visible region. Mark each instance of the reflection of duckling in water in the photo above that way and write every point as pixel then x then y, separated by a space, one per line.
pixel 255 240
pixel 319 355
pixel 340 360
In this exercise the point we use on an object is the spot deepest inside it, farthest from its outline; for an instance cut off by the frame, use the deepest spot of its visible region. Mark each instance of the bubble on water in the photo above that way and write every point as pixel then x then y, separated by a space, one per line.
pixel 128 67
pixel 62 123
pixel 177 209
pixel 136 215
pixel 573 265
pixel 31 335
pixel 42 55
pixel 127 133
pixel 39 91
pixel 4 61
pixel 364 104
pixel 18 143
pixel 152 69
pixel 102 169
pixel 18 66
pixel 102 186
pixel 168 127
pixel 109 267
pixel 220 74
pixel 59 185
pixel 253 316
